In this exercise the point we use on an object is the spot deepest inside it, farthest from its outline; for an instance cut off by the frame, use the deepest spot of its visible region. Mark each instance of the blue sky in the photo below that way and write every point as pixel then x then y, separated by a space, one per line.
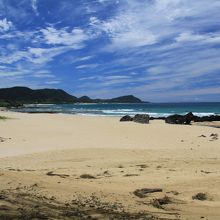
pixel 158 50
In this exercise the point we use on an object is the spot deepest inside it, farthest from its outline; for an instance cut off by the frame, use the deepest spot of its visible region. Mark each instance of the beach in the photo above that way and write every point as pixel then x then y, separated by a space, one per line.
pixel 93 165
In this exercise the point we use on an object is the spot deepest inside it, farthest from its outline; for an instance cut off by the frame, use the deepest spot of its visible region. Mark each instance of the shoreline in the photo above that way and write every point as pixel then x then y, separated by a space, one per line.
pixel 97 163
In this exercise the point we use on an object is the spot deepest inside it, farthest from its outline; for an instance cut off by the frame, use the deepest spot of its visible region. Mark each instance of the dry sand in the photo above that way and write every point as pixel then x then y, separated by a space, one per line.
pixel 42 158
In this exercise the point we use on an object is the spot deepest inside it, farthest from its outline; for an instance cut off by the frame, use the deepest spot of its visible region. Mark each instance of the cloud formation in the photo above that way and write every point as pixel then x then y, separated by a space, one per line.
pixel 5 25
pixel 156 49
pixel 34 7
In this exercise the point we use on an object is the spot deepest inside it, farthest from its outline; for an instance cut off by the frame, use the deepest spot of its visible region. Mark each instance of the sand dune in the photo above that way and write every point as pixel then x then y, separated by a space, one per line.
pixel 94 165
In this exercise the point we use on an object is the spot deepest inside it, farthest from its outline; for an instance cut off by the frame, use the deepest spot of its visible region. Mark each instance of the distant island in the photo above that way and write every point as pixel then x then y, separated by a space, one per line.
pixel 17 96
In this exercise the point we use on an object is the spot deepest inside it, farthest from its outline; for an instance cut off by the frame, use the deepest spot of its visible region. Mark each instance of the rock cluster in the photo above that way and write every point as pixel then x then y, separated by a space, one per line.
pixel 186 119
pixel 139 118
pixel 172 119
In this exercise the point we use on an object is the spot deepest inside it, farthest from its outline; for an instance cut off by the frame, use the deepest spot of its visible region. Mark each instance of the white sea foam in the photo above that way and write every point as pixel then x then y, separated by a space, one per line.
pixel 200 114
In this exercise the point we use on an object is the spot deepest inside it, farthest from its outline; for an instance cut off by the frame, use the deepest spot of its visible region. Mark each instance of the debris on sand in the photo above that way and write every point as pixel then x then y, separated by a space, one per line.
pixel 87 176
pixel 200 196
pixel 107 173
pixel 51 173
pixel 159 203
pixel 202 135
pixel 131 174
pixel 214 137
pixel 174 192
pixel 142 166
pixel 206 172
pixel 20 205
pixel 142 193
pixel 4 139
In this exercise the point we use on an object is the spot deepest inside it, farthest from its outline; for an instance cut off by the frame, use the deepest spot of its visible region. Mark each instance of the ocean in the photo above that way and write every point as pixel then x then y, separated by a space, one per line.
pixel 153 109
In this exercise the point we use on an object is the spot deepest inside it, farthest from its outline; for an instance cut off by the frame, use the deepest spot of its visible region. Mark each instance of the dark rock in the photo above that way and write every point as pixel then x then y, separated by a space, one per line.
pixel 157 118
pixel 180 119
pixel 200 196
pixel 175 119
pixel 159 203
pixel 188 118
pixel 213 135
pixel 141 118
pixel 207 118
pixel 126 118
pixel 87 176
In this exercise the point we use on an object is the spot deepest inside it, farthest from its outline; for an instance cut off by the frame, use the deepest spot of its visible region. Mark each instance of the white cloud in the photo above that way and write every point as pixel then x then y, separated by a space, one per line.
pixel 93 65
pixel 146 23
pixel 34 7
pixel 74 38
pixel 85 58
pixel 200 38
pixel 33 55
pixel 117 77
pixel 169 45
pixel 124 31
pixel 53 82
pixel 5 25
pixel 154 70
pixel 44 55
pixel 43 74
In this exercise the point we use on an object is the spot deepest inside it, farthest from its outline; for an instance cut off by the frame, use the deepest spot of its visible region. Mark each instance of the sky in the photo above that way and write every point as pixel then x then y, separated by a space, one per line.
pixel 157 50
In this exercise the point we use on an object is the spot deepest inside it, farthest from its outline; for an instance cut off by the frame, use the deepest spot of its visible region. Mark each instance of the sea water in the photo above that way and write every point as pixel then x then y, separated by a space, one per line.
pixel 106 109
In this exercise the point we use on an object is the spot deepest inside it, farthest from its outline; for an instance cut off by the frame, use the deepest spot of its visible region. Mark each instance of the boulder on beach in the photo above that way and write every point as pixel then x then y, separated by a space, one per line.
pixel 180 119
pixel 189 117
pixel 141 118
pixel 126 118
pixel 174 119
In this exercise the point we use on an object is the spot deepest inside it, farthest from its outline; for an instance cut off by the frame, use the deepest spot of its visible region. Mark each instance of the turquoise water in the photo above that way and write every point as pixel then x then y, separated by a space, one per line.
pixel 153 109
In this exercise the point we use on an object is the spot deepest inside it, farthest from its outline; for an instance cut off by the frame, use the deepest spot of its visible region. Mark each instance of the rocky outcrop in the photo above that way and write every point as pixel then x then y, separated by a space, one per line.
pixel 126 118
pixel 139 118
pixel 157 118
pixel 172 119
pixel 186 119
pixel 142 118
pixel 180 119
pixel 206 118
